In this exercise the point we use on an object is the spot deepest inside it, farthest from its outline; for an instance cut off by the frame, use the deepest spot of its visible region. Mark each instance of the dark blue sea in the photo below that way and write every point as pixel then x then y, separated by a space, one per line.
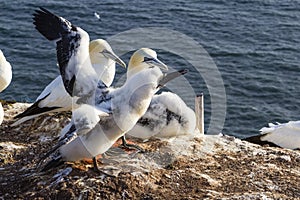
pixel 254 48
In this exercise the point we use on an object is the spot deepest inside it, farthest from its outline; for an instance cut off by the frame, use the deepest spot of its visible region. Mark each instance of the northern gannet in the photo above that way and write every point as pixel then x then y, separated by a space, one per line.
pixel 122 108
pixel 54 98
pixel 285 135
pixel 5 79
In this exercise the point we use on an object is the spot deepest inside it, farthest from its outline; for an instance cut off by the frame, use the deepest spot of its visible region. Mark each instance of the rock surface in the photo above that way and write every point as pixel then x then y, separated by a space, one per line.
pixel 207 167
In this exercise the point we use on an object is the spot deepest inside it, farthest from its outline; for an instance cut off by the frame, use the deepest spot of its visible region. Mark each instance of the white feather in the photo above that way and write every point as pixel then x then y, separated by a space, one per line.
pixel 5 79
pixel 1 114
pixel 5 72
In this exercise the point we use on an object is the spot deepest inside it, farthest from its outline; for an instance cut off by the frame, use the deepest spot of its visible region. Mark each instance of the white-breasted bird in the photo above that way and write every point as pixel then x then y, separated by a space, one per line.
pixel 5 79
pixel 54 98
pixel 285 135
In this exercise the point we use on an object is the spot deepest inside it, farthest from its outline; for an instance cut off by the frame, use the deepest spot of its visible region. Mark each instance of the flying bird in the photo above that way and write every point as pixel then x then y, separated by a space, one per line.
pixel 97 16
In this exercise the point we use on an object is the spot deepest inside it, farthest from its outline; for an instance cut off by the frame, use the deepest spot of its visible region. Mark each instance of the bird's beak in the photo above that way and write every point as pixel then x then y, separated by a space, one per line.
pixel 157 63
pixel 114 57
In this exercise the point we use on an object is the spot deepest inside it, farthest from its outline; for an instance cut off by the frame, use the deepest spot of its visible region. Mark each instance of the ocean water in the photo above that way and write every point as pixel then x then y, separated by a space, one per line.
pixel 254 44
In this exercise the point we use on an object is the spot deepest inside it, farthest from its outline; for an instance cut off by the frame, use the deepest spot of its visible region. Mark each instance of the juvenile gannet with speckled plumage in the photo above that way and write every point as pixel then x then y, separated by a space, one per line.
pixel 5 79
pixel 55 98
pixel 285 135
pixel 123 107
pixel 167 116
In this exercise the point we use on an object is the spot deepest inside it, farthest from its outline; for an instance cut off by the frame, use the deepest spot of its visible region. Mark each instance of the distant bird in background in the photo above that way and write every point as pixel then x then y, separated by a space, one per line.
pixel 97 16
pixel 5 79
pixel 54 98
pixel 285 135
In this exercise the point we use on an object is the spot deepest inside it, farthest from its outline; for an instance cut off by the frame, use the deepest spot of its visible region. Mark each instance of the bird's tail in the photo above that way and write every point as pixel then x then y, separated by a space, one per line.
pixel 54 162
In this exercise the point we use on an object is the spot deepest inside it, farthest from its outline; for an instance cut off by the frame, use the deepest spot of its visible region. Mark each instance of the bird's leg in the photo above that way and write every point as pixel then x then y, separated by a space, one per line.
pixel 130 146
pixel 96 168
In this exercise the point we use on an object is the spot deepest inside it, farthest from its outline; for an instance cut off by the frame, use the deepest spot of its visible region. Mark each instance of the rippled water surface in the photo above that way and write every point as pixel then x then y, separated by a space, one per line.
pixel 255 45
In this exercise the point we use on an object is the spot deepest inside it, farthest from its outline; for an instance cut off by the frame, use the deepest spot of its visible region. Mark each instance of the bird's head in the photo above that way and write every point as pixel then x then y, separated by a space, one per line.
pixel 101 51
pixel 144 58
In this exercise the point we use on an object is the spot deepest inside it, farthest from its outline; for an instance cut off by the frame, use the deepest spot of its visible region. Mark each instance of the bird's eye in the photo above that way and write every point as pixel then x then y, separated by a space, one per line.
pixel 148 59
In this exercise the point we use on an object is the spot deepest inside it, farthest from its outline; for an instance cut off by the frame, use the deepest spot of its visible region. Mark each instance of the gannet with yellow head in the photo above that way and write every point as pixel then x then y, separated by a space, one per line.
pixel 5 78
pixel 142 59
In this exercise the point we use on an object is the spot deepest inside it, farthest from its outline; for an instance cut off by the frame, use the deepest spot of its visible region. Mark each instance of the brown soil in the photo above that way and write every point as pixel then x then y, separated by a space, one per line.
pixel 211 167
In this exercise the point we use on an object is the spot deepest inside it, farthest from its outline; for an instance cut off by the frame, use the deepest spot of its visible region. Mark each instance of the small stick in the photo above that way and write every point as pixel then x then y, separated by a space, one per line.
pixel 199 111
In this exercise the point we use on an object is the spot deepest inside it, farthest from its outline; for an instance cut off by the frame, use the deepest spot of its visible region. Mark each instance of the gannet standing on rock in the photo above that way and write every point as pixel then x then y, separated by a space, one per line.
pixel 5 79
pixel 54 98
pixel 283 135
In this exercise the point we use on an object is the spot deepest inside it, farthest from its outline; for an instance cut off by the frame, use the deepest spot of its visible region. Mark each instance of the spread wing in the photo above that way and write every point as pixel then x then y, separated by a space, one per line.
pixel 68 40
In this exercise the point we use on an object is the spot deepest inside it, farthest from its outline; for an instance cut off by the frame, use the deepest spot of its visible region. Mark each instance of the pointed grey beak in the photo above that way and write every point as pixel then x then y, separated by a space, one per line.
pixel 114 57
pixel 156 62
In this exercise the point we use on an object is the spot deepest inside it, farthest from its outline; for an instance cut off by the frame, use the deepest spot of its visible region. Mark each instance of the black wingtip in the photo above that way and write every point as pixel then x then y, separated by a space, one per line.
pixel 47 23
pixel 34 109
pixel 257 140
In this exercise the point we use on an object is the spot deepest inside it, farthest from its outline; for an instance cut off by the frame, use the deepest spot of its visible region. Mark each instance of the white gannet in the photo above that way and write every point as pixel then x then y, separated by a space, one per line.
pixel 5 79
pixel 54 98
pixel 285 135
pixel 123 107
pixel 166 116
